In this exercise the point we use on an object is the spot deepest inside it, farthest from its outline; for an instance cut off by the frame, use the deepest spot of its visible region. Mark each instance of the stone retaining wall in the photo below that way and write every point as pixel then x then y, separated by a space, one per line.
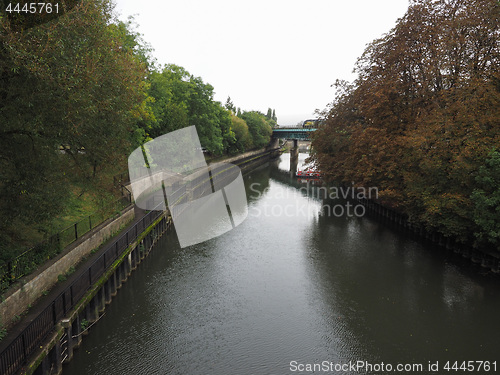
pixel 47 276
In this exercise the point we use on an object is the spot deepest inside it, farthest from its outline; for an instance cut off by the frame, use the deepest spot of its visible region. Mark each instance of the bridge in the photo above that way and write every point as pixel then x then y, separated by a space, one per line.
pixel 295 134
pixel 303 134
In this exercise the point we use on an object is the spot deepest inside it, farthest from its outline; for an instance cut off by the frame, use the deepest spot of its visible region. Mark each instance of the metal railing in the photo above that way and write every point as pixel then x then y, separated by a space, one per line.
pixel 22 347
pixel 28 261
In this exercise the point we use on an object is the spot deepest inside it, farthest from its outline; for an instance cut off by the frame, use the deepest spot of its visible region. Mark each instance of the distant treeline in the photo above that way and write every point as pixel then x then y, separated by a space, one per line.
pixel 422 120
pixel 78 93
pixel 176 99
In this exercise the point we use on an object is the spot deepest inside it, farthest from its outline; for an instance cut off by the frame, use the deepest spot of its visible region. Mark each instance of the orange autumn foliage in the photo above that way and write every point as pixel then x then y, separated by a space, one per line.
pixel 423 114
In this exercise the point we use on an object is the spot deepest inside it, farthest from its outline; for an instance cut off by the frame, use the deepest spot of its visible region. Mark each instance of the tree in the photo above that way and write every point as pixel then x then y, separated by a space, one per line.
pixel 67 84
pixel 229 105
pixel 225 124
pixel 271 118
pixel 133 43
pixel 421 117
pixel 181 99
pixel 486 199
pixel 258 127
pixel 242 135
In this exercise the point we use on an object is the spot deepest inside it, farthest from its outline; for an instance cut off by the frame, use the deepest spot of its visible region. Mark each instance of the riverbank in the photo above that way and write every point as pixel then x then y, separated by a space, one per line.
pixel 18 302
pixel 487 258
pixel 20 331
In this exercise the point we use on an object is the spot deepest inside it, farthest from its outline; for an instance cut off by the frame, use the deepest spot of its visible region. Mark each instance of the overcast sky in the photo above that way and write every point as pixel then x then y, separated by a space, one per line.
pixel 281 54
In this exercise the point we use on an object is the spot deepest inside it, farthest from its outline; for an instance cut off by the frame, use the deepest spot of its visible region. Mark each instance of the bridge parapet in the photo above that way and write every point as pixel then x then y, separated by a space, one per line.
pixel 293 133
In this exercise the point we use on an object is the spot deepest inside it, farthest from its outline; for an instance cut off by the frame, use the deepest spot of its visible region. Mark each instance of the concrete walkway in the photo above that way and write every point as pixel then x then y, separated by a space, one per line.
pixel 43 302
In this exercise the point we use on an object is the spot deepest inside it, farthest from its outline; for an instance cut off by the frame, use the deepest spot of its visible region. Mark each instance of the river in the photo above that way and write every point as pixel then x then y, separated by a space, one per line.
pixel 294 289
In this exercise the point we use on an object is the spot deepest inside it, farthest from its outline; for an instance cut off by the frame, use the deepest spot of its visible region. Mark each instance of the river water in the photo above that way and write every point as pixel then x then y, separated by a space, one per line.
pixel 297 288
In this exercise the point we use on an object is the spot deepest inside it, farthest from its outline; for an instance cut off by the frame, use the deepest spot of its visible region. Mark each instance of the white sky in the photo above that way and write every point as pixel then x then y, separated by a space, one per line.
pixel 280 54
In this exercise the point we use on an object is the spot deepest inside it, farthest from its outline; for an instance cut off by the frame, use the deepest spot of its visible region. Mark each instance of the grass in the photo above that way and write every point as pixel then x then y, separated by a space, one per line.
pixel 87 204
pixel 81 206
pixel 87 209
pixel 98 203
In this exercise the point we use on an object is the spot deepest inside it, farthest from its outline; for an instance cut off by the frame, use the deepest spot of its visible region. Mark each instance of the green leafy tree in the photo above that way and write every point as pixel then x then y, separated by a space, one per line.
pixel 181 99
pixel 134 44
pixel 258 127
pixel 204 113
pixel 68 90
pixel 271 117
pixel 170 114
pixel 242 135
pixel 225 124
pixel 486 199
pixel 229 105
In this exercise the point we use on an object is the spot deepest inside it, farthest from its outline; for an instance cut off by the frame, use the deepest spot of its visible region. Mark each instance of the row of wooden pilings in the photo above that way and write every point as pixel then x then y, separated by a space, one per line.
pixel 63 343
pixel 489 260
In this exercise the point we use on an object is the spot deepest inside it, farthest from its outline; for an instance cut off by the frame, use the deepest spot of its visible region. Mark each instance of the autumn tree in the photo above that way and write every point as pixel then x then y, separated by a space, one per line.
pixel 421 117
